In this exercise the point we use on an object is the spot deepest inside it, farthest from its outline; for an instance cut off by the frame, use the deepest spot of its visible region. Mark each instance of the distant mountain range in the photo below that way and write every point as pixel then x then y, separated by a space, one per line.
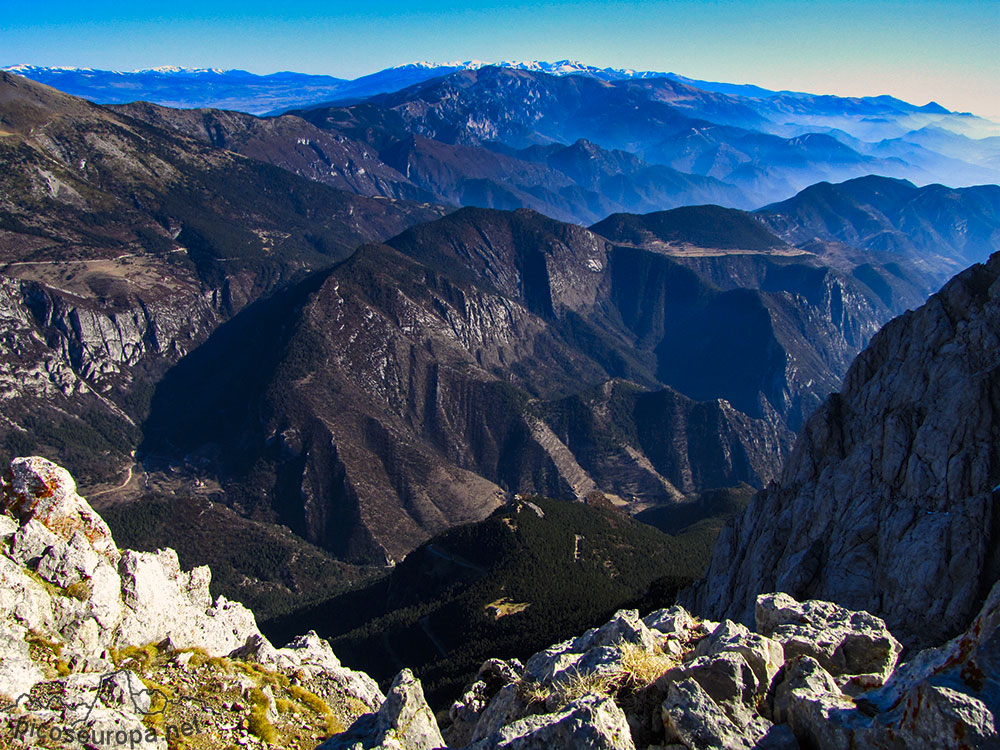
pixel 175 86
pixel 570 140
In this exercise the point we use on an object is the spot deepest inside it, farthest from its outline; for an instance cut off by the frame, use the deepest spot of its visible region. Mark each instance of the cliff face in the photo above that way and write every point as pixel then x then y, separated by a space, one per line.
pixel 399 399
pixel 887 502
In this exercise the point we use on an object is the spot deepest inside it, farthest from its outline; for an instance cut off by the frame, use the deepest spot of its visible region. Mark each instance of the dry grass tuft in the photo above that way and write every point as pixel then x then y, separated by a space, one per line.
pixel 641 667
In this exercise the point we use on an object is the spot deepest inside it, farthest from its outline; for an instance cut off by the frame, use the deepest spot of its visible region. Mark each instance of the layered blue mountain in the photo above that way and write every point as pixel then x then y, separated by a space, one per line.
pixel 766 144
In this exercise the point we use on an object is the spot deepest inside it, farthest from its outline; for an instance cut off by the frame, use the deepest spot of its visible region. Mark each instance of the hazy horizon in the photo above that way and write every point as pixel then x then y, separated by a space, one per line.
pixel 922 51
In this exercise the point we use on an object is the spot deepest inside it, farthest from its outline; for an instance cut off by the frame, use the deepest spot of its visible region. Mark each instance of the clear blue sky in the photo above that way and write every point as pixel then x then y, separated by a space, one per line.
pixel 919 50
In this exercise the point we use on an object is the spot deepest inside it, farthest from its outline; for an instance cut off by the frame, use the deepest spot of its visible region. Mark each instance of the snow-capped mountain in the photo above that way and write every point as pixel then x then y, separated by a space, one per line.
pixel 785 113
pixel 176 86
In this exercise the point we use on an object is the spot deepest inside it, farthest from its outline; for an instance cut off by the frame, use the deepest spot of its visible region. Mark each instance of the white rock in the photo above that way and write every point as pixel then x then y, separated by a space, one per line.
pixel 18 673
pixel 404 722
pixel 40 490
pixel 764 655
pixel 160 601
pixel 592 722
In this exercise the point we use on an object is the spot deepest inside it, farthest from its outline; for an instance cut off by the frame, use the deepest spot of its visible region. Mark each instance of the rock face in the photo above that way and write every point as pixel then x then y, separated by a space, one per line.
pixel 888 503
pixel 64 576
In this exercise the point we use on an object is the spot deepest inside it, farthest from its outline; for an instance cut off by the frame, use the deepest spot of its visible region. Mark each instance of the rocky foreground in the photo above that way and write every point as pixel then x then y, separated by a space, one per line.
pixel 814 676
pixel 105 648
pixel 109 648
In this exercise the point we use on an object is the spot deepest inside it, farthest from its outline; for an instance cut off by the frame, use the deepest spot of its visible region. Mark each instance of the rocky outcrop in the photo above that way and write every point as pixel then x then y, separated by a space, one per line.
pixel 814 675
pixel 92 632
pixel 38 491
pixel 845 642
pixel 64 579
pixel 403 722
pixel 593 722
pixel 888 503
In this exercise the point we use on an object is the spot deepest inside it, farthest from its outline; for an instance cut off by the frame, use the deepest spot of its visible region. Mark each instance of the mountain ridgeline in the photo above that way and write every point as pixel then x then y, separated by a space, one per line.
pixel 415 384
pixel 124 245
pixel 579 144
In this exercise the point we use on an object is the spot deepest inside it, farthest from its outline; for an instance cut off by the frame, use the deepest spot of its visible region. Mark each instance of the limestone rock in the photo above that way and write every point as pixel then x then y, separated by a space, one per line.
pixel 30 541
pixel 18 673
pixel 37 489
pixel 69 562
pixel 404 722
pixel 819 714
pixel 764 655
pixel 466 712
pixel 948 696
pixel 844 642
pixel 590 723
pixel 726 677
pixel 160 601
pixel 671 621
pixel 886 504
pixel 585 654
pixel 691 716
pixel 505 708
pixel 310 656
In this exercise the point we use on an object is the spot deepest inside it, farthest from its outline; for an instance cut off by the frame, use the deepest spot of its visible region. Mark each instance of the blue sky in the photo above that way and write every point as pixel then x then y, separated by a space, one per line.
pixel 919 50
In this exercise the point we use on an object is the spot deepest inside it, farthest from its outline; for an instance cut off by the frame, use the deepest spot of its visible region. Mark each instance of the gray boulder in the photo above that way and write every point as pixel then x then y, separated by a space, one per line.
pixel 764 655
pixel 404 722
pixel 506 707
pixel 726 677
pixel 819 714
pixel 843 641
pixel 691 717
pixel 948 696
pixel 18 673
pixel 593 722
pixel 594 651
pixel 163 601
pixel 37 489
